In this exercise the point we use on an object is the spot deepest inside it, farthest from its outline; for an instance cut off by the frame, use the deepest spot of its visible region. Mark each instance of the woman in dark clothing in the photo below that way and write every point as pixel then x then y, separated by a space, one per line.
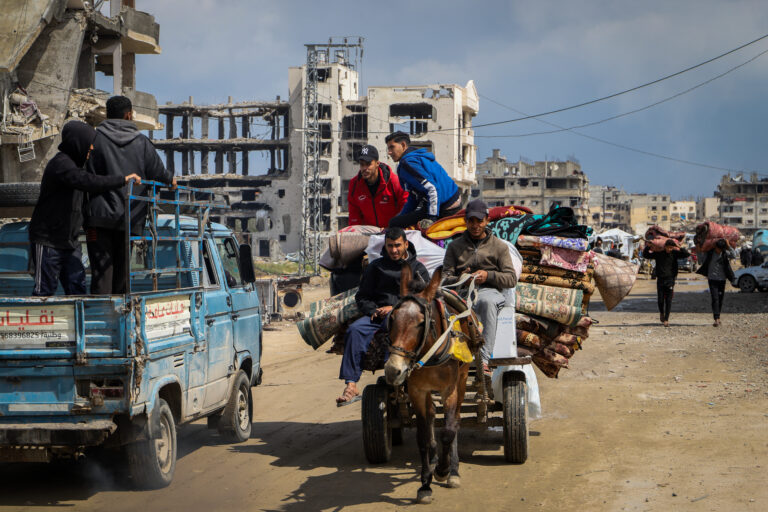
pixel 666 274
pixel 717 270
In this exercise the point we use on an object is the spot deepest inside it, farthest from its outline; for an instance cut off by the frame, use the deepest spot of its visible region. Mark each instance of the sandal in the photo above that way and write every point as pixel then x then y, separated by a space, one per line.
pixel 347 398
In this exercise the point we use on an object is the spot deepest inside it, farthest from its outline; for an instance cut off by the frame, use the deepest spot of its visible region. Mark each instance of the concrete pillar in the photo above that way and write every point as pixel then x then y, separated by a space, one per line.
pixel 86 68
pixel 245 130
pixel 231 155
pixel 117 69
pixel 129 71
pixel 219 162
pixel 185 152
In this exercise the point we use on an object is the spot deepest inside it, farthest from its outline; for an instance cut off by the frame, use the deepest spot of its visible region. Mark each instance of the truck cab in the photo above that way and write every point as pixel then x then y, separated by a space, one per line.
pixel 123 371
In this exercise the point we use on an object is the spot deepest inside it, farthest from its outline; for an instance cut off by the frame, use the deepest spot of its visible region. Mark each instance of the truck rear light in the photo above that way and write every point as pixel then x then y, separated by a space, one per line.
pixel 110 389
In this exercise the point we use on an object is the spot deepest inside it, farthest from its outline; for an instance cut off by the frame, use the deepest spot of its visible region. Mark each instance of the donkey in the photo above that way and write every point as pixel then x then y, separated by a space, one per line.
pixel 415 323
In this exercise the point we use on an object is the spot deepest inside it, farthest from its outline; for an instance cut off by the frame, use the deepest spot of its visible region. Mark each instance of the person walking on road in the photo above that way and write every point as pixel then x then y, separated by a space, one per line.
pixel 717 269
pixel 58 216
pixel 666 274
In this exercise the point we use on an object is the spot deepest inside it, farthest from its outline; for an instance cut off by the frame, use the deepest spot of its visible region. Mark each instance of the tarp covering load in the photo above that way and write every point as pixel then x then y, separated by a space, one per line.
pixel 709 232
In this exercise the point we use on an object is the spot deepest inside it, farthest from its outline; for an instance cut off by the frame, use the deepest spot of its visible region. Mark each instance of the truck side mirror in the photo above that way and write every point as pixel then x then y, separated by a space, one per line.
pixel 247 273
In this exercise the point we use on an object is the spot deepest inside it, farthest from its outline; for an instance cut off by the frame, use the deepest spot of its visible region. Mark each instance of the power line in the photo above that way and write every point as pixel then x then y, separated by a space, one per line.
pixel 614 95
pixel 624 114
pixel 629 148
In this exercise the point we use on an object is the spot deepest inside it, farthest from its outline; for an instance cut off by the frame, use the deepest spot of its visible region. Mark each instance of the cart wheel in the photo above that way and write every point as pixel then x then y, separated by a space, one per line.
pixel 377 434
pixel 515 422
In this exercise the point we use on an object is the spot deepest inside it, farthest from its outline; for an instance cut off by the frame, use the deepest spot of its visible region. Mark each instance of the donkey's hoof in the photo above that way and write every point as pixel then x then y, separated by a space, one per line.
pixel 424 497
pixel 454 482
pixel 440 478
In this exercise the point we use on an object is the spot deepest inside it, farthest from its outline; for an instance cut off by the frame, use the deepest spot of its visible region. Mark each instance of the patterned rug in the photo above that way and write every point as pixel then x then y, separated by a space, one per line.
pixel 560 304
pixel 327 317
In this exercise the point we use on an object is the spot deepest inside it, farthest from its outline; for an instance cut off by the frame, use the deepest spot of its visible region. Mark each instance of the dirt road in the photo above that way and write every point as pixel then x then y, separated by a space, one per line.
pixel 647 418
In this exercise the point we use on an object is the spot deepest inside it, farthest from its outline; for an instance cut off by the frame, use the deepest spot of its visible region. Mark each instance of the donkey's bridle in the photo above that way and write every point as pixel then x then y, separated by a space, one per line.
pixel 427 325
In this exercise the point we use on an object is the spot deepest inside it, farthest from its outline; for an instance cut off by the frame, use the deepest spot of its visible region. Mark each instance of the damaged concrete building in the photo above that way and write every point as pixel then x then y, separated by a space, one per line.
pixel 269 200
pixel 50 54
pixel 539 186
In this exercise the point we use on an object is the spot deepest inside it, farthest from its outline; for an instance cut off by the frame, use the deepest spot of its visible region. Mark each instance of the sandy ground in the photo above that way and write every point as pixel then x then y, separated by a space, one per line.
pixel 646 418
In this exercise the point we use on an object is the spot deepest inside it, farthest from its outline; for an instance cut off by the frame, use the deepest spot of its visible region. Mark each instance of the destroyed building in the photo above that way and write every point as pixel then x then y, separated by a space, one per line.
pixel 263 150
pixel 743 202
pixel 50 54
pixel 539 186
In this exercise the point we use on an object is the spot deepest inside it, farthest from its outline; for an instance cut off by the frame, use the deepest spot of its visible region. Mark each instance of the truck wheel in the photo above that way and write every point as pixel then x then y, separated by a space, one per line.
pixel 235 423
pixel 152 461
pixel 747 284
pixel 515 422
pixel 19 194
pixel 377 434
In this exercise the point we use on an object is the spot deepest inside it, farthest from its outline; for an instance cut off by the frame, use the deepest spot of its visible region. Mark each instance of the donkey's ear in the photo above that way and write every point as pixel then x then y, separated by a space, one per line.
pixel 405 277
pixel 431 290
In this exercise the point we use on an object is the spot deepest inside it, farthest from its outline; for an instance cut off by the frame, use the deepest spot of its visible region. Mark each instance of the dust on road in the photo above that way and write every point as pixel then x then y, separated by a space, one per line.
pixel 647 418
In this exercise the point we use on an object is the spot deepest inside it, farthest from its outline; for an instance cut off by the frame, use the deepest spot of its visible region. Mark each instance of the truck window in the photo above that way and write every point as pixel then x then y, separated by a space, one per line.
pixel 229 254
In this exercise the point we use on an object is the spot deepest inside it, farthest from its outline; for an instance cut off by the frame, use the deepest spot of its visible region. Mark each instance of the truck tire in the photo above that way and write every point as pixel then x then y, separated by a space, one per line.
pixel 377 433
pixel 19 194
pixel 515 422
pixel 235 424
pixel 152 461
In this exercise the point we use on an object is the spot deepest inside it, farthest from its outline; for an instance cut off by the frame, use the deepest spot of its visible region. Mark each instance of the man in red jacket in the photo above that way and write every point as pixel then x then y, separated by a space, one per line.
pixel 375 194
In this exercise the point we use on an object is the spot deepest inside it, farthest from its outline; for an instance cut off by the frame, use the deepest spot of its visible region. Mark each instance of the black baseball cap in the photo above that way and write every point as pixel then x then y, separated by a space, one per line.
pixel 477 209
pixel 368 153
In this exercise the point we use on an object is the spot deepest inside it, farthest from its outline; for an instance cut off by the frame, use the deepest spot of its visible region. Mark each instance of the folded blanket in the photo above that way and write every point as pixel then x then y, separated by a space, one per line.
pixel 326 317
pixel 576 244
pixel 455 224
pixel 509 228
pixel 587 286
pixel 708 233
pixel 658 232
pixel 614 278
pixel 560 304
pixel 560 348
pixel 566 258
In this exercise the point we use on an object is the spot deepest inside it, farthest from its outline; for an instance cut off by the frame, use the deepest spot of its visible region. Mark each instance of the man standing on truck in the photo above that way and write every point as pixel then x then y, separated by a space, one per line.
pixel 484 255
pixel 58 215
pixel 432 193
pixel 379 291
pixel 119 149
pixel 375 194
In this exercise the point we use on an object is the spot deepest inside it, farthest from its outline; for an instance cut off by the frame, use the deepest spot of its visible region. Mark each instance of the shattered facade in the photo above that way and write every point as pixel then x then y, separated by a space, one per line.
pixel 268 199
pixel 50 52
pixel 743 202
pixel 535 185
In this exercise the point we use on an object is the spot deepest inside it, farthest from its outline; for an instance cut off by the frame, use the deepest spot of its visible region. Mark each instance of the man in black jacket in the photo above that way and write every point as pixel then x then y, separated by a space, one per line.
pixel 119 149
pixel 379 291
pixel 58 218
pixel 666 274
pixel 717 269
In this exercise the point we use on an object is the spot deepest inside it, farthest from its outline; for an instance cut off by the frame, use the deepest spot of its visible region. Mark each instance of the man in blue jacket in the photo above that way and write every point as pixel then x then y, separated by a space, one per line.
pixel 432 193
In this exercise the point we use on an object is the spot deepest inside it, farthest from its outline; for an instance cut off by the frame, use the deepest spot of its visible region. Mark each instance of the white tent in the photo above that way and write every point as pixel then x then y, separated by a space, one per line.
pixel 620 237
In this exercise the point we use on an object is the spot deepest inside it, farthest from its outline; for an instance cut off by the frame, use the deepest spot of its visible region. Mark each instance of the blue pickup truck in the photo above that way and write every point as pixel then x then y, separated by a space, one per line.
pixel 123 371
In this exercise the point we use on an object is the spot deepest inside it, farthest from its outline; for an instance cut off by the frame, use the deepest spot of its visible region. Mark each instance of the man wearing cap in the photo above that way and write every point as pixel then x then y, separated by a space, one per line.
pixel 432 193
pixel 484 255
pixel 375 194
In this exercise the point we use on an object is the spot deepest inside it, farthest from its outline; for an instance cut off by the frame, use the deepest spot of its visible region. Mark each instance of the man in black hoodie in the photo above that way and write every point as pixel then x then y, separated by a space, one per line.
pixel 379 291
pixel 58 218
pixel 119 149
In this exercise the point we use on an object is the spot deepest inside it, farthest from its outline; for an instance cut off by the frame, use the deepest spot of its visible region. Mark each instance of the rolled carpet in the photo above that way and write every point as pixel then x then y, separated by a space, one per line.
pixel 588 287
pixel 543 327
pixel 327 317
pixel 528 339
pixel 530 268
pixel 560 304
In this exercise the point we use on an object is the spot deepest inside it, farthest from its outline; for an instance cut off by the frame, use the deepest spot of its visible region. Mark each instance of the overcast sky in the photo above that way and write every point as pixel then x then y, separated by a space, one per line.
pixel 529 56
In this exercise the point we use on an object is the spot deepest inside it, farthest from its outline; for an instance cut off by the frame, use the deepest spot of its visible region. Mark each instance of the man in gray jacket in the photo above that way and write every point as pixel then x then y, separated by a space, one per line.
pixel 118 149
pixel 483 254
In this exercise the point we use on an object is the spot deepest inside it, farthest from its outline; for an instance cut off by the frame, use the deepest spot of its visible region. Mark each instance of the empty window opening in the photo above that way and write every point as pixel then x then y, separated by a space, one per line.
pixel 354 127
